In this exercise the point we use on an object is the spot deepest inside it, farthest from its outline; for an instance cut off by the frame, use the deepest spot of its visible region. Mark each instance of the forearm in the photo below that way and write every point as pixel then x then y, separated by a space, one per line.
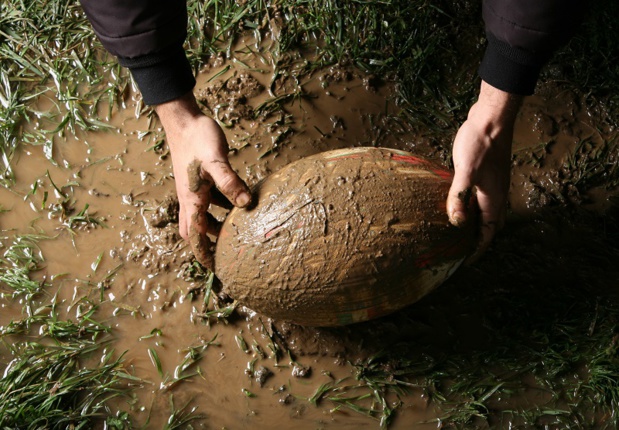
pixel 522 36
pixel 147 37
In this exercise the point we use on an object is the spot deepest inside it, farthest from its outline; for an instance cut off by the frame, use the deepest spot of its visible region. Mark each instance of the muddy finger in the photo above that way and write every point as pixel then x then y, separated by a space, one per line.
pixel 486 234
pixel 459 203
pixel 201 246
pixel 199 179
pixel 230 184
pixel 198 240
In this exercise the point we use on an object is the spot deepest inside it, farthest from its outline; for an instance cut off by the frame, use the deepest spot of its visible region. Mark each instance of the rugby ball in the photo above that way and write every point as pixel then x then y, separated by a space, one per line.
pixel 341 237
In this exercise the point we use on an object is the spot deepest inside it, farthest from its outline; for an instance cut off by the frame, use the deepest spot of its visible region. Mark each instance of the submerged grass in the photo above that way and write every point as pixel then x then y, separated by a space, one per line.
pixel 20 258
pixel 48 386
pixel 52 75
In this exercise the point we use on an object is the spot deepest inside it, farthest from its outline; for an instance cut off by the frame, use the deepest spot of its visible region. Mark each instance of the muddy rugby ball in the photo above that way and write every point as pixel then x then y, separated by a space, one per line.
pixel 341 237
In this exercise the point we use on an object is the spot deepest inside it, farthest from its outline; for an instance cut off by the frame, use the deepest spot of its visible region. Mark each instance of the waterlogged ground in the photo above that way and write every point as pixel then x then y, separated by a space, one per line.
pixel 525 337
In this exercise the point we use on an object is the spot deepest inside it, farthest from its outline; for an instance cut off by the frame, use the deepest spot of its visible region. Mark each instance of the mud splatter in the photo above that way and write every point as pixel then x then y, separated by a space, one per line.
pixel 196 176
pixel 166 213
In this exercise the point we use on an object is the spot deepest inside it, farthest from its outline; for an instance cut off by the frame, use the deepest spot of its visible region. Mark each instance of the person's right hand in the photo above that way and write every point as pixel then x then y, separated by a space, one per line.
pixel 200 161
pixel 481 156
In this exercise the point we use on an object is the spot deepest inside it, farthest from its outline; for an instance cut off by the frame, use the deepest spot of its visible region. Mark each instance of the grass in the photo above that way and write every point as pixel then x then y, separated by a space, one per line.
pixel 49 386
pixel 19 259
pixel 55 79
pixel 589 61
pixel 51 76
pixel 592 165
pixel 51 381
pixel 50 57
pixel 181 418
pixel 49 53
pixel 364 35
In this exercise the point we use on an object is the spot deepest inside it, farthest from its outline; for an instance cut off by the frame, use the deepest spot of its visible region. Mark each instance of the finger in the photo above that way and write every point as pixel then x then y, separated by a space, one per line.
pixel 183 224
pixel 459 200
pixel 199 241
pixel 200 182
pixel 229 183
pixel 490 218
pixel 201 247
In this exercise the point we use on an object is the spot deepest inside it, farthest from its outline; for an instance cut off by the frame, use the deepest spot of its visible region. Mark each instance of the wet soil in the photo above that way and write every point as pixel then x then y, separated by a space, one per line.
pixel 147 274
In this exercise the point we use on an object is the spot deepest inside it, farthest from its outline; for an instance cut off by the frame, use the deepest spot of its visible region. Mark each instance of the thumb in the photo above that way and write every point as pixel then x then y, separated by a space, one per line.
pixel 229 183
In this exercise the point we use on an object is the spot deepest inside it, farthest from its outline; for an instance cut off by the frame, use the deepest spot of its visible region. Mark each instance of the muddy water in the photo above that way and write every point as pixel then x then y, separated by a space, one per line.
pixel 144 262
pixel 556 130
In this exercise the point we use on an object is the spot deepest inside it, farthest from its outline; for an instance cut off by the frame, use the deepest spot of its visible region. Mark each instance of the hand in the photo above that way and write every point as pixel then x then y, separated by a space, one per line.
pixel 481 155
pixel 200 161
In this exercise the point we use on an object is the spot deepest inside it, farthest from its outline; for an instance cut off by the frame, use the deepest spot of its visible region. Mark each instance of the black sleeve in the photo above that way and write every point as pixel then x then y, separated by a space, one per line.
pixel 147 36
pixel 522 35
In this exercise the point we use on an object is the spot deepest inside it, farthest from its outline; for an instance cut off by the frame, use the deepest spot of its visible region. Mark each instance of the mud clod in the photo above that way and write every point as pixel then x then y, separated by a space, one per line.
pixel 261 375
pixel 165 213
pixel 196 178
pixel 300 371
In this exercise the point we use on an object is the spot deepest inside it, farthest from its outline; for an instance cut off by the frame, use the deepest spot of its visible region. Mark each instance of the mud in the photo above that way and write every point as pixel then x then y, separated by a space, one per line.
pixel 556 141
pixel 148 278
pixel 194 172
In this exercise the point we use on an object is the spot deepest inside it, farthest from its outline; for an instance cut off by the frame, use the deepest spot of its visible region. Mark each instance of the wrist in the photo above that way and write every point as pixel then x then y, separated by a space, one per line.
pixel 495 107
pixel 181 118
pixel 178 114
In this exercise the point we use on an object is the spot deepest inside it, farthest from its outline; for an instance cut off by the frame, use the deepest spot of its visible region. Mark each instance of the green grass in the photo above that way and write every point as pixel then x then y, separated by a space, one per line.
pixel 51 381
pixel 48 386
pixel 19 259
pixel 51 75
pixel 48 51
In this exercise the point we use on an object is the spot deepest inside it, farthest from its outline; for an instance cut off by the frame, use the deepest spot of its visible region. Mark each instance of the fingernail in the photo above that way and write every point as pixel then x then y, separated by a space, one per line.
pixel 457 218
pixel 243 199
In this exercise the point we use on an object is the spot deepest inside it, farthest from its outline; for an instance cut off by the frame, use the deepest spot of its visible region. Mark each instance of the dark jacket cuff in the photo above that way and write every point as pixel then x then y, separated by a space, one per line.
pixel 162 76
pixel 509 68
